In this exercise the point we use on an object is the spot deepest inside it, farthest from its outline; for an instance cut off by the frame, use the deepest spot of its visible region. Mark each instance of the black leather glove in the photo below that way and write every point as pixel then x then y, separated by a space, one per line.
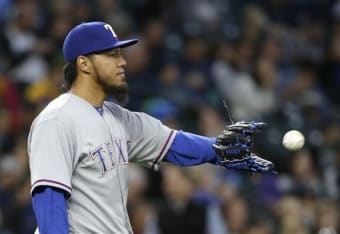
pixel 233 148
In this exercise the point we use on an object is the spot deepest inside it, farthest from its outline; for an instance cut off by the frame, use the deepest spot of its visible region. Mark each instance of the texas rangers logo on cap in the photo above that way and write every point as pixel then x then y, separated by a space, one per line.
pixel 108 27
pixel 90 37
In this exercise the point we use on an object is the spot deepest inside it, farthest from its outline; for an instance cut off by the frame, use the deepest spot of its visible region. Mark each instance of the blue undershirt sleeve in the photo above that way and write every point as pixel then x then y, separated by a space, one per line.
pixel 189 149
pixel 49 205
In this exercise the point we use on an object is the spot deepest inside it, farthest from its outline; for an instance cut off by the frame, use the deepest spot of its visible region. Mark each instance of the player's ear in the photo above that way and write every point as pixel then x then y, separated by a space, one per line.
pixel 83 63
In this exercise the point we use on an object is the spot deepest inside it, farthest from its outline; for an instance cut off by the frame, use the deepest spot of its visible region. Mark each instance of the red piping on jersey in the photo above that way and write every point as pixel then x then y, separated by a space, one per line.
pixel 53 182
pixel 164 146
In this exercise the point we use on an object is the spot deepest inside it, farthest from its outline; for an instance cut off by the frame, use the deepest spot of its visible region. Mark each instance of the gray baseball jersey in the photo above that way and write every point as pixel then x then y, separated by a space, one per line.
pixel 73 148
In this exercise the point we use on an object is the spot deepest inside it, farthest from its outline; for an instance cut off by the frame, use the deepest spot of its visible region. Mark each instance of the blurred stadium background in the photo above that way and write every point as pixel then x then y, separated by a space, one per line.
pixel 272 60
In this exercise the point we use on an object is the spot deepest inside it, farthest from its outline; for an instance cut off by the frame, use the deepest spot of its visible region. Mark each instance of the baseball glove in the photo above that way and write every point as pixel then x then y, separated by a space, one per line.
pixel 233 148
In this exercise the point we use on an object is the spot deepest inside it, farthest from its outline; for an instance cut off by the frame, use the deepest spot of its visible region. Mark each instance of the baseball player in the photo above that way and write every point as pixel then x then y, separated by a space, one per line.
pixel 80 145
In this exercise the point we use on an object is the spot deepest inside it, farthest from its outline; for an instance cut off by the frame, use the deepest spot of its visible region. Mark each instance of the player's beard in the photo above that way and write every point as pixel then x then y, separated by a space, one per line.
pixel 120 93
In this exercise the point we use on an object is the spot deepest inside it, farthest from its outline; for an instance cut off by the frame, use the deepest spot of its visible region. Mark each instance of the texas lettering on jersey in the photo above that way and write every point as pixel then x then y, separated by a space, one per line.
pixel 110 154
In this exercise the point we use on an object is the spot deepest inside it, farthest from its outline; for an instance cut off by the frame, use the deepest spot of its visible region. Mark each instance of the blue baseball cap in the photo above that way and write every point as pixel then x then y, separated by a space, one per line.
pixel 90 37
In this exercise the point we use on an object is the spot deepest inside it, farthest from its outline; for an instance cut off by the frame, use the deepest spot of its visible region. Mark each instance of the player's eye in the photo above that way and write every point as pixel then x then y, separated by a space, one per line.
pixel 116 53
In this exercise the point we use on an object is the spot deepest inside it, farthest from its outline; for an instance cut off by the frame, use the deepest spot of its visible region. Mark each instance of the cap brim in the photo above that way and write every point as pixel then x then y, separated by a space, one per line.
pixel 125 43
pixel 118 44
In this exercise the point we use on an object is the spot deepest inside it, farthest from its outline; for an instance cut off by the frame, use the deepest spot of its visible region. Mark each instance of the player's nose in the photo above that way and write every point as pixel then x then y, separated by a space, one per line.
pixel 122 62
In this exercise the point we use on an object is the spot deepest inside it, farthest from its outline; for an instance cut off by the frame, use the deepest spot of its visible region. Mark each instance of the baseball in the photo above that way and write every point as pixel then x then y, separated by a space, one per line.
pixel 293 140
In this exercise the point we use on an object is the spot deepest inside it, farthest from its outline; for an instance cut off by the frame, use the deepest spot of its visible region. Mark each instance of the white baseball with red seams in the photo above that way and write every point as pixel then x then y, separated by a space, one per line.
pixel 293 140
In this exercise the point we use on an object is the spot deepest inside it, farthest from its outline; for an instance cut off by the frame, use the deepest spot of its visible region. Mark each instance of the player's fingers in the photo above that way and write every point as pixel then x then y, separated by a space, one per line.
pixel 229 137
pixel 247 128
pixel 262 164
pixel 259 125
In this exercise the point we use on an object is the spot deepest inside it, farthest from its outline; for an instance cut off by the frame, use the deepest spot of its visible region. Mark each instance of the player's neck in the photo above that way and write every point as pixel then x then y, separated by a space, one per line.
pixel 91 93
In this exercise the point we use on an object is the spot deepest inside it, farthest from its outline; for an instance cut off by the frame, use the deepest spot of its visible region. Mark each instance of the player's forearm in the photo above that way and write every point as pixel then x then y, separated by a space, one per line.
pixel 49 206
pixel 190 149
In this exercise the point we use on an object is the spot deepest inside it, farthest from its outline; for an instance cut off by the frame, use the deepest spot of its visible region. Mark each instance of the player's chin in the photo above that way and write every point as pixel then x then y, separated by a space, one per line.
pixel 121 86
pixel 120 80
pixel 117 82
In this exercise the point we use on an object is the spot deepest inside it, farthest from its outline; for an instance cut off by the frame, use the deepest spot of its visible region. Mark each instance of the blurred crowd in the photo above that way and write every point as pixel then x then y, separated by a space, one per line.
pixel 276 61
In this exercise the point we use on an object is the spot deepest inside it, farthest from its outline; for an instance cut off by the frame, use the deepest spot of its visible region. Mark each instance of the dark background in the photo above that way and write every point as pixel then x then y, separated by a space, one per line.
pixel 276 61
